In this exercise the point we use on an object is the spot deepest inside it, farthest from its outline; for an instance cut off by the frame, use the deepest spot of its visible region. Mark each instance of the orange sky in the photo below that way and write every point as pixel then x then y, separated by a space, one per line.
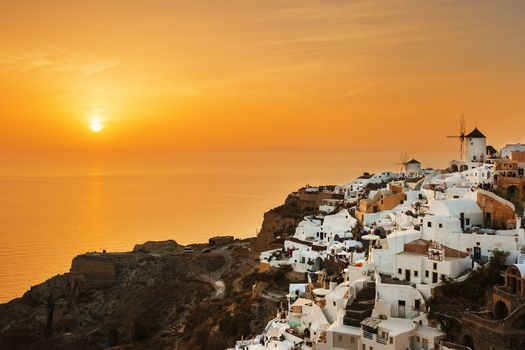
pixel 327 74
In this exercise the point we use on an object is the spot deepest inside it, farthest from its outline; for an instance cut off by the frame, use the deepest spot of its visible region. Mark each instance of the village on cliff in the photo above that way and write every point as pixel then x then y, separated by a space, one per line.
pixel 387 256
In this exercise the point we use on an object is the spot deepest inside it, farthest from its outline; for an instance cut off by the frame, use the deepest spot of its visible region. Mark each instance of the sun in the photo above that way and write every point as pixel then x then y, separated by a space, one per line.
pixel 96 125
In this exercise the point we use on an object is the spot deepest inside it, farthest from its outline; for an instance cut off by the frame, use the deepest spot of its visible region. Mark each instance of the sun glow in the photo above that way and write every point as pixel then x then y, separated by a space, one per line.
pixel 96 125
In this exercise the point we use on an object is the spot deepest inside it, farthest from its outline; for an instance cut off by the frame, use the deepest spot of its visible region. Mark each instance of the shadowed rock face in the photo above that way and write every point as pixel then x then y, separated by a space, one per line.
pixel 282 220
pixel 92 271
pixel 106 300
pixel 154 297
pixel 146 299
pixel 169 246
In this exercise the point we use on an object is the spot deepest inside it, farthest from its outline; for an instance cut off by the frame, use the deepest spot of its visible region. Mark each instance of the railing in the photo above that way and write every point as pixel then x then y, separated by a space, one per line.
pixel 368 335
pixel 382 340
pixel 453 346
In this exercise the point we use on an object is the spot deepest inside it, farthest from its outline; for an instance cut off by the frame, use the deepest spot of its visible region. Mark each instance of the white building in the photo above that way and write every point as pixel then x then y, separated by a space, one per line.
pixel 398 320
pixel 423 262
pixel 340 337
pixel 458 224
pixel 506 152
pixel 481 174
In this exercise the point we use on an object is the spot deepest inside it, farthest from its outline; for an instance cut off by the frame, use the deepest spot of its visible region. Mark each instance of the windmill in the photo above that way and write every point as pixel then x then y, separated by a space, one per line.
pixel 403 162
pixel 461 137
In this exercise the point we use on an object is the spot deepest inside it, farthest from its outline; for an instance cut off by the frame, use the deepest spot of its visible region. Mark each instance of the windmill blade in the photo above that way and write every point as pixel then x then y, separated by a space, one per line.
pixel 462 126
pixel 404 158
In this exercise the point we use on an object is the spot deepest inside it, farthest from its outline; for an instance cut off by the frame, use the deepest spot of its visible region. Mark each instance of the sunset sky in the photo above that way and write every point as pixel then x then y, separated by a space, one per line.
pixel 326 74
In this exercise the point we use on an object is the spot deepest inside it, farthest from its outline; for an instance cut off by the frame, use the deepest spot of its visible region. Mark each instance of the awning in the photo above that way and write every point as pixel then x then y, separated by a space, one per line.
pixel 371 322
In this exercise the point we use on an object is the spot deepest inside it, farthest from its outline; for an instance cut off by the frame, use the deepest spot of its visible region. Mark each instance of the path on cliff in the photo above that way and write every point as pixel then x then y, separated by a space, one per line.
pixel 214 277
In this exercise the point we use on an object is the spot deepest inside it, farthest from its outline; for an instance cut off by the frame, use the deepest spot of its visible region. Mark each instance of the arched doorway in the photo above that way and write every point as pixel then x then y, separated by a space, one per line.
pixel 512 192
pixel 468 341
pixel 500 310
pixel 454 168
pixel 463 167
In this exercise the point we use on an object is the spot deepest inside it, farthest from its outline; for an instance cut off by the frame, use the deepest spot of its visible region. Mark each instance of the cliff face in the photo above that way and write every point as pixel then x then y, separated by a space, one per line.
pixel 148 298
pixel 282 221
pixel 92 271
pixel 156 296
pixel 107 300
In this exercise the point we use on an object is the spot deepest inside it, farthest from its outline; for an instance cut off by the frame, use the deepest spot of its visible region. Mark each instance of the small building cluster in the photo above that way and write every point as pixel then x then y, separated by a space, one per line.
pixel 394 238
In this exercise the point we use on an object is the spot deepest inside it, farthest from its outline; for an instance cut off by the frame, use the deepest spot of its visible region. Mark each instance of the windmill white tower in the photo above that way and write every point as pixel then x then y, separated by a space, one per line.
pixel 409 168
pixel 476 146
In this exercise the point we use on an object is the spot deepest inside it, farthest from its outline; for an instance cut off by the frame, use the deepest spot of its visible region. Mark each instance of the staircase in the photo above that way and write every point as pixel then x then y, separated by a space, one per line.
pixel 361 307
pixel 327 315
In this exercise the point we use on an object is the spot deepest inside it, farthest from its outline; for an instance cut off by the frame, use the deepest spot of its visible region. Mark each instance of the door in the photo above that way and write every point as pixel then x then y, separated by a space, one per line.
pixel 434 277
pixel 401 309
pixel 407 275
pixel 417 306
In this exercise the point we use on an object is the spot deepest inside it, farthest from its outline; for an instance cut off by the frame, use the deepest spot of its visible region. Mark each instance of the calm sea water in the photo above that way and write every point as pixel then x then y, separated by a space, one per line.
pixel 54 207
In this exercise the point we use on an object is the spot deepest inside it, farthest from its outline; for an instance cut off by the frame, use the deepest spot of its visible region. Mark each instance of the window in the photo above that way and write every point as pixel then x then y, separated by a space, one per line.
pixel 334 303
pixel 435 266
pixel 399 271
pixel 426 273
pixel 429 224
pixel 467 221
pixel 440 225
pixel 340 338
pixel 416 273
pixel 352 340
pixel 391 340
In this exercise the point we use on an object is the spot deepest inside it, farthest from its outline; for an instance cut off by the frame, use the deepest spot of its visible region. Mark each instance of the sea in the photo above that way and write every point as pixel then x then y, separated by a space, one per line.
pixel 56 205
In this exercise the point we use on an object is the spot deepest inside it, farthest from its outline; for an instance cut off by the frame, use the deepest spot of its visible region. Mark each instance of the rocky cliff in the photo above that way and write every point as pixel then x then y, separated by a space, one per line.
pixel 157 297
pixel 280 222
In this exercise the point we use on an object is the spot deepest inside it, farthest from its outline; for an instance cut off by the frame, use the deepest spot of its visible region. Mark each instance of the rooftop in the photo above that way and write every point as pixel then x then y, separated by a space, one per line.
pixel 447 257
pixel 476 134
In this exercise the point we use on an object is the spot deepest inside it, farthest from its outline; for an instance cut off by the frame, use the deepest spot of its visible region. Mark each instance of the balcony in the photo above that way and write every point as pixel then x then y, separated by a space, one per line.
pixel 368 335
pixel 383 341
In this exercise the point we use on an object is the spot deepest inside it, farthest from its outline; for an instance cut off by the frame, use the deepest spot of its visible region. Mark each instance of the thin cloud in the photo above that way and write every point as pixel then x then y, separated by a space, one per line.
pixel 54 61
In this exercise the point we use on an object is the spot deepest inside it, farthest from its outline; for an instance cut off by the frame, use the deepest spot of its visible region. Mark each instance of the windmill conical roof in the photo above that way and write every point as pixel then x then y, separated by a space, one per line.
pixel 476 134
